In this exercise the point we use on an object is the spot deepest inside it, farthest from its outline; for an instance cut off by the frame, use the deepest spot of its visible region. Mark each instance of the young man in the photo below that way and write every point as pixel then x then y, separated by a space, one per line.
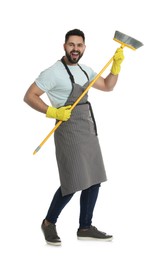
pixel 78 153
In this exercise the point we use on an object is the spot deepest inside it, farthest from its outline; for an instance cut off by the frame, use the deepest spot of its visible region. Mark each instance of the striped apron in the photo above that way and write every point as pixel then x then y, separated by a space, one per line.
pixel 78 152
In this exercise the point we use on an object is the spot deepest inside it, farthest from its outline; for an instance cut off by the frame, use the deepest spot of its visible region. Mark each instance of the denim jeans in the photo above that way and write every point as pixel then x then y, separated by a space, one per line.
pixel 87 203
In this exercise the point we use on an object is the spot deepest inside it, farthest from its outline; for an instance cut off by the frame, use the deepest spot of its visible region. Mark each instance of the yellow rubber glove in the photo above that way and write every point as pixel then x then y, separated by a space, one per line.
pixel 62 113
pixel 117 60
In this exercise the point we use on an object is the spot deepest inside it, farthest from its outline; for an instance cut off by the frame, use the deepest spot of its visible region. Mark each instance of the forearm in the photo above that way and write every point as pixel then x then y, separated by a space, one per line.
pixel 110 81
pixel 36 103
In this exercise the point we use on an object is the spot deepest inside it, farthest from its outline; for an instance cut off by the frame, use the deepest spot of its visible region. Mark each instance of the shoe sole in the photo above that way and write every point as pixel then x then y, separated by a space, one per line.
pixel 53 243
pixel 93 238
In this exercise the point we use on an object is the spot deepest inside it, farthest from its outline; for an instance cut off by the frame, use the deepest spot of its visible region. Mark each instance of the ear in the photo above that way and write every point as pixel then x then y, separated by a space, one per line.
pixel 64 46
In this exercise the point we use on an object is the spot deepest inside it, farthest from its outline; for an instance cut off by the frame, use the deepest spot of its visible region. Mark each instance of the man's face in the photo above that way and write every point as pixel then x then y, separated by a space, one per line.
pixel 74 49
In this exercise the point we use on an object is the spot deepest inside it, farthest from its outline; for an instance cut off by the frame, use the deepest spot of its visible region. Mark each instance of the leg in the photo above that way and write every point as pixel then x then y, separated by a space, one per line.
pixel 48 224
pixel 57 205
pixel 87 203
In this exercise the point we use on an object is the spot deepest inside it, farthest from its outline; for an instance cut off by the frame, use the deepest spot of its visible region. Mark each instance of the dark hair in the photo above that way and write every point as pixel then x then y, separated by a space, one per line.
pixel 74 32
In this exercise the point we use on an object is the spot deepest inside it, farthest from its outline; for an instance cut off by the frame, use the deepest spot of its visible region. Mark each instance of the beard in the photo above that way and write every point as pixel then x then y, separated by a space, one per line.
pixel 72 59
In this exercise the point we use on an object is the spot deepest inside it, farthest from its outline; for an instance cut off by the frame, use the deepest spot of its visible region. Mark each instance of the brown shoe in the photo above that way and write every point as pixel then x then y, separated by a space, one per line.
pixel 93 233
pixel 50 234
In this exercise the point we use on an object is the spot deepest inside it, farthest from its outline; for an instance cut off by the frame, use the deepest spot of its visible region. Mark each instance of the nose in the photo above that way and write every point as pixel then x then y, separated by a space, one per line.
pixel 75 47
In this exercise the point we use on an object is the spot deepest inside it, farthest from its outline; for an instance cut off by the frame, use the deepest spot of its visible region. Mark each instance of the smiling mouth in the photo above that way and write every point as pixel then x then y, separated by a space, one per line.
pixel 75 54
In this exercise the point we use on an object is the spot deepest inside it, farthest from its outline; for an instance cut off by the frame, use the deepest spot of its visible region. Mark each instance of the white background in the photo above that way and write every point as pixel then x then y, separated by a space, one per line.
pixel 32 37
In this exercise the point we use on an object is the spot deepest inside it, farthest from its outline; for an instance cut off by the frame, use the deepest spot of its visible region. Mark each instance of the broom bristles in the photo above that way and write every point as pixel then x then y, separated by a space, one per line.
pixel 127 40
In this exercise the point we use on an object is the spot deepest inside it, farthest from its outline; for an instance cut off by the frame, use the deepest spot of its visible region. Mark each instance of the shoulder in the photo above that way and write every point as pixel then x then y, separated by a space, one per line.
pixel 53 68
pixel 52 72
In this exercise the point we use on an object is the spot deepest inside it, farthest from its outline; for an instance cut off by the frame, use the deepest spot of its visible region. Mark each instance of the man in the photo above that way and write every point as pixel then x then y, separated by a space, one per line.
pixel 78 153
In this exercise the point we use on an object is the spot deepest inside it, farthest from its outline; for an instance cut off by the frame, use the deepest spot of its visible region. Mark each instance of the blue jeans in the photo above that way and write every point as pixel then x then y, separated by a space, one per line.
pixel 87 203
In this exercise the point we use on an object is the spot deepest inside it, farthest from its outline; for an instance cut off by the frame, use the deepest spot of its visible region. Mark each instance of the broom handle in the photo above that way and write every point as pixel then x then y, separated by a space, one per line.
pixel 73 106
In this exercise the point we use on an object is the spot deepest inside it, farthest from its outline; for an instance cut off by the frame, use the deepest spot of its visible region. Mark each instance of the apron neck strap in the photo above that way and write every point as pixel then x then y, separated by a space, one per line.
pixel 66 67
pixel 83 71
pixel 71 76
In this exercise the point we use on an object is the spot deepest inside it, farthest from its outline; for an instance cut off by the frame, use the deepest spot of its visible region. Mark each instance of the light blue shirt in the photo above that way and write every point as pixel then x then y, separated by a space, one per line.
pixel 55 81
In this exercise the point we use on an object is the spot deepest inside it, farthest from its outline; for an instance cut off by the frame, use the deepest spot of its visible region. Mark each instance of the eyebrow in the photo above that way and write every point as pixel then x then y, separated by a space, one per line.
pixel 80 43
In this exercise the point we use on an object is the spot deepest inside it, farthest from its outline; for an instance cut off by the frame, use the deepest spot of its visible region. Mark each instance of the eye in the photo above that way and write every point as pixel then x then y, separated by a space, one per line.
pixel 70 44
pixel 80 45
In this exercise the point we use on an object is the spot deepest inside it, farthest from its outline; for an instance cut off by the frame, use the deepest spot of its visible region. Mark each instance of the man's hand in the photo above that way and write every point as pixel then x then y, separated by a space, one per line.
pixel 62 113
pixel 117 60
